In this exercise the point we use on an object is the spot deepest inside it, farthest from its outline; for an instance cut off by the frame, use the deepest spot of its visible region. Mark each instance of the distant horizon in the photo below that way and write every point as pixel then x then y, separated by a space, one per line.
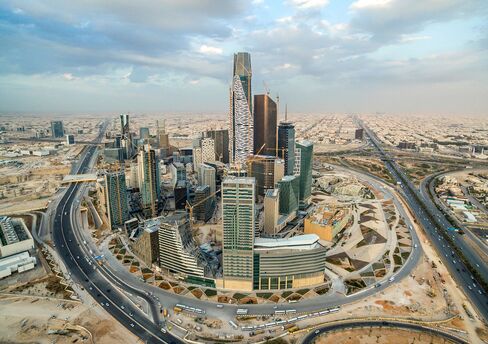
pixel 320 56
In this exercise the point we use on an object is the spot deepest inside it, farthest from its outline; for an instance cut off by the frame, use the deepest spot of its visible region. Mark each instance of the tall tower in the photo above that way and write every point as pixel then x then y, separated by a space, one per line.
pixel 126 135
pixel 241 122
pixel 116 198
pixel 149 184
pixel 238 232
pixel 306 162
pixel 57 129
pixel 286 146
pixel 265 122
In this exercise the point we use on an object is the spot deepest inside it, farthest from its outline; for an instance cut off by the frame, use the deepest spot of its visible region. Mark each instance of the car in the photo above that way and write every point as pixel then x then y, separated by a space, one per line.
pixel 479 292
pixel 122 307
pixel 470 287
pixel 317 331
pixel 220 306
pixel 131 324
pixel 130 314
pixel 106 304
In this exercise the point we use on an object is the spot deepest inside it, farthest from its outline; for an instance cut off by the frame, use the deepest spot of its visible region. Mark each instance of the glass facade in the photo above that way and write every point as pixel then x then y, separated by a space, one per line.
pixel 289 188
pixel 286 146
pixel 116 193
pixel 306 163
pixel 238 227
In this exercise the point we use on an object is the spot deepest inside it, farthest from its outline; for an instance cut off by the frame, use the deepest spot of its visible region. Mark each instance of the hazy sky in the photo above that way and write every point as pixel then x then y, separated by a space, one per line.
pixel 402 56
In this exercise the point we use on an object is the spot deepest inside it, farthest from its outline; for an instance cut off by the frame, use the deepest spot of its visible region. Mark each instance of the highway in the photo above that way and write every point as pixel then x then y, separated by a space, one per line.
pixel 94 279
pixel 381 324
pixel 435 225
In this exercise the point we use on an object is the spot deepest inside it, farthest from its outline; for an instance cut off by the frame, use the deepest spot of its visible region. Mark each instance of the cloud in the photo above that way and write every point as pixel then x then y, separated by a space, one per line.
pixel 208 50
pixel 309 4
pixel 68 77
pixel 360 4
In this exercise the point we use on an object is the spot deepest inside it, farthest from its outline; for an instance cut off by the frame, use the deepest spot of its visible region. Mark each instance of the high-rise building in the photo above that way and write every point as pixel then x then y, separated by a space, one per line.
pixel 178 172
pixel 149 182
pixel 57 129
pixel 197 157
pixel 265 124
pixel 241 121
pixel 271 211
pixel 267 170
pixel 359 134
pixel 238 232
pixel 124 124
pixel 207 176
pixel 221 139
pixel 306 162
pixel 126 135
pixel 178 252
pixel 163 137
pixel 144 134
pixel 70 139
pixel 286 145
pixel 111 155
pixel 116 199
pixel 289 188
pixel 203 203
pixel 208 150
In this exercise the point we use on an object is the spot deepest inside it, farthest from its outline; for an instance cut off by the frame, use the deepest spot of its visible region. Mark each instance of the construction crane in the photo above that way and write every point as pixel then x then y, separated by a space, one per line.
pixel 266 88
pixel 189 206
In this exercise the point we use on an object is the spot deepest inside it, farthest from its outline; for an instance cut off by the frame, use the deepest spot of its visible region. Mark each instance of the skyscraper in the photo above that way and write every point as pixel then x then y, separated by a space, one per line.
pixel 149 184
pixel 238 232
pixel 126 135
pixel 289 188
pixel 221 139
pixel 286 145
pixel 241 121
pixel 265 124
pixel 203 203
pixel 163 138
pixel 116 198
pixel 57 129
pixel 206 176
pixel 208 150
pixel 144 133
pixel 271 211
pixel 306 162
pixel 267 170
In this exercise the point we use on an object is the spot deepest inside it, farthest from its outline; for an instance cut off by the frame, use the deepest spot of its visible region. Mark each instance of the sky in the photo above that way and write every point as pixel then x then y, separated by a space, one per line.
pixel 319 56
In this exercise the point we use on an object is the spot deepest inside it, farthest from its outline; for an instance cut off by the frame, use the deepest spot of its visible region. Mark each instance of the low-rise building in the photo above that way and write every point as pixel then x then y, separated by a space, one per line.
pixel 326 221
pixel 294 262
pixel 14 236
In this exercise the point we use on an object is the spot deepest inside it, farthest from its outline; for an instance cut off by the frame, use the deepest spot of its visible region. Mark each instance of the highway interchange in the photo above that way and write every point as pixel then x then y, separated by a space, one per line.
pixel 435 225
pixel 109 284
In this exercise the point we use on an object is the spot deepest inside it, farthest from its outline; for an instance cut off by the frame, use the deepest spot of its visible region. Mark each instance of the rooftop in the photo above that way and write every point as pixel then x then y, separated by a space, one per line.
pixel 298 242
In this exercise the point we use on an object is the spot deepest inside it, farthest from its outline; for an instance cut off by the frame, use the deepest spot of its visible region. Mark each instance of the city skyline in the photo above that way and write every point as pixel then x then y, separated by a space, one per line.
pixel 320 56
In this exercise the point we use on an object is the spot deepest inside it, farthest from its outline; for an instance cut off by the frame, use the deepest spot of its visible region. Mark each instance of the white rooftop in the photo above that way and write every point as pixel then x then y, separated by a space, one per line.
pixel 298 242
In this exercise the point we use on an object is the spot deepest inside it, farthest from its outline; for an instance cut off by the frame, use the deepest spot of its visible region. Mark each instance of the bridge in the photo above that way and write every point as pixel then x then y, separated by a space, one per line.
pixel 80 178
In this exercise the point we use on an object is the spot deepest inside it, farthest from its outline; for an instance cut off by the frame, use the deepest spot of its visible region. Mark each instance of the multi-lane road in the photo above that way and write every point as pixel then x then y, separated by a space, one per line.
pixel 435 225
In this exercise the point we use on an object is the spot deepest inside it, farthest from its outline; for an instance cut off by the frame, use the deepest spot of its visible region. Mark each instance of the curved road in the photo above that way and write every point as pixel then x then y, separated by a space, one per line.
pixel 391 324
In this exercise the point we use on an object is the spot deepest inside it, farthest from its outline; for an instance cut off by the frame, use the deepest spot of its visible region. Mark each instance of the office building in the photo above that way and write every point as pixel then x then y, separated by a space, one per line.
pixel 289 187
pixel 265 125
pixel 207 176
pixel 221 139
pixel 286 146
pixel 180 192
pixel 57 129
pixel 271 211
pixel 203 203
pixel 178 252
pixel 144 134
pixel 238 196
pixel 306 163
pixel 163 137
pixel 295 262
pixel 70 139
pixel 111 155
pixel 197 157
pixel 359 134
pixel 145 241
pixel 267 170
pixel 116 208
pixel 241 121
pixel 149 182
pixel 178 172
pixel 127 143
pixel 208 150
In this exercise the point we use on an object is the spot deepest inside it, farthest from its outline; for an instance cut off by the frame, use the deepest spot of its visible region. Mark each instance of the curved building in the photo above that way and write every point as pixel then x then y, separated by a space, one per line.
pixel 294 262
